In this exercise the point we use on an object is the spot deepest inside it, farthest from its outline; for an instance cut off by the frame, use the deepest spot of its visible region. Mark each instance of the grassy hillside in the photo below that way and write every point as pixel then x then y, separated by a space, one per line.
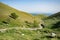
pixel 6 10
pixel 52 19
pixel 56 15
pixel 13 17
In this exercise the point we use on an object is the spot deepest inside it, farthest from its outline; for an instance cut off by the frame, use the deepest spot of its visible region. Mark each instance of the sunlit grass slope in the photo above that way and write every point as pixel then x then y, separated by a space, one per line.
pixel 6 11
pixel 52 19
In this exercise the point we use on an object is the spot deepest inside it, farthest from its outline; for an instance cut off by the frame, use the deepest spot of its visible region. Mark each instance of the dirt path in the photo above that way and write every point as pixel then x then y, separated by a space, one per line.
pixel 17 28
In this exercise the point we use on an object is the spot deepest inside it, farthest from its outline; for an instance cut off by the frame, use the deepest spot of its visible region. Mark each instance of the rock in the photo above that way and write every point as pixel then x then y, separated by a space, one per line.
pixel 40 26
pixel 23 34
pixel 53 34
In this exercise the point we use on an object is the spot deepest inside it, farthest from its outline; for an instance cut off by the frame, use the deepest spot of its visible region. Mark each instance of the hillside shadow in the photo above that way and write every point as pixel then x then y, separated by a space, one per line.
pixel 56 25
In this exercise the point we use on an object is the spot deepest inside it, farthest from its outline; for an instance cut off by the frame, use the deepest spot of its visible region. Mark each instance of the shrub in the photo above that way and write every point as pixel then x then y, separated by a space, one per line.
pixel 26 21
pixel 36 39
pixel 13 15
pixel 28 24
pixel 5 22
pixel 35 24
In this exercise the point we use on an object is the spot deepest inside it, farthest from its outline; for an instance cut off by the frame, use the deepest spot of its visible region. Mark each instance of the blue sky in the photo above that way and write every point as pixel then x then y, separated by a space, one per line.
pixel 35 6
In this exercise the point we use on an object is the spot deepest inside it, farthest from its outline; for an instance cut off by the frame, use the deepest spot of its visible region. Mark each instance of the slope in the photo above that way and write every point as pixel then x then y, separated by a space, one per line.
pixel 11 16
pixel 56 15
pixel 52 19
pixel 6 10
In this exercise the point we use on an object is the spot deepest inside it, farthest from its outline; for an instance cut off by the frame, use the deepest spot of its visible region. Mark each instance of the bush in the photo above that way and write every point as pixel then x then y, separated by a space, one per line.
pixel 36 39
pixel 35 24
pixel 5 22
pixel 28 24
pixel 26 21
pixel 13 15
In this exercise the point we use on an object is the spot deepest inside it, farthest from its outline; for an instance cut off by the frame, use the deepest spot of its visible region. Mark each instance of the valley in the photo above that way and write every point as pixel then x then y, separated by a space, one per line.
pixel 18 25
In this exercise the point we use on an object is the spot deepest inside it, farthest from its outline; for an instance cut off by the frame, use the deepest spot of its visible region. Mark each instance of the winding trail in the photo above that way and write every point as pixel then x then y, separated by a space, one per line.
pixel 17 28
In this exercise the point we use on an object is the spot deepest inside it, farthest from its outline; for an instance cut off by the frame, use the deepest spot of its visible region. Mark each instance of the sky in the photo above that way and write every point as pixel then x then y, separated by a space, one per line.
pixel 34 6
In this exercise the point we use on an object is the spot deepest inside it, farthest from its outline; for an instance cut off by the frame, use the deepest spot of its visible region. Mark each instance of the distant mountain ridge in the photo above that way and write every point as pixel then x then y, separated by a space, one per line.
pixel 41 13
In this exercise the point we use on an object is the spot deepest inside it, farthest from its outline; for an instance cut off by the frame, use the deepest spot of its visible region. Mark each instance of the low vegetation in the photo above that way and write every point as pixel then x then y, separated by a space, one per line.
pixel 13 15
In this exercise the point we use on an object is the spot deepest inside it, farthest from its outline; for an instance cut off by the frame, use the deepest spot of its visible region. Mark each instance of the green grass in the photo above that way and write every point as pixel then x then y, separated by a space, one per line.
pixel 28 35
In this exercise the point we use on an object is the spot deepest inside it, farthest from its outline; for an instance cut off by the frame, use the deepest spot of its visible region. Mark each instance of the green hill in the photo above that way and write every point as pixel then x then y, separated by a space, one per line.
pixel 52 19
pixel 56 15
pixel 55 21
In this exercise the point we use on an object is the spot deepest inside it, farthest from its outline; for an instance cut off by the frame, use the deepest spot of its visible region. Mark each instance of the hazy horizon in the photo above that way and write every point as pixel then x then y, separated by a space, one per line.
pixel 35 6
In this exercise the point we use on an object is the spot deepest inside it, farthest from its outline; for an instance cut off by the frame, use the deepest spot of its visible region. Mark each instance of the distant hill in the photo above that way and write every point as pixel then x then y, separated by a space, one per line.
pixel 34 14
pixel 52 19
pixel 40 16
pixel 48 14
pixel 56 15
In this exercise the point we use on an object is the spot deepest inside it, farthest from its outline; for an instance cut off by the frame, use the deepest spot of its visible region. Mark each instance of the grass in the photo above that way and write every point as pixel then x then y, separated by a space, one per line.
pixel 28 35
